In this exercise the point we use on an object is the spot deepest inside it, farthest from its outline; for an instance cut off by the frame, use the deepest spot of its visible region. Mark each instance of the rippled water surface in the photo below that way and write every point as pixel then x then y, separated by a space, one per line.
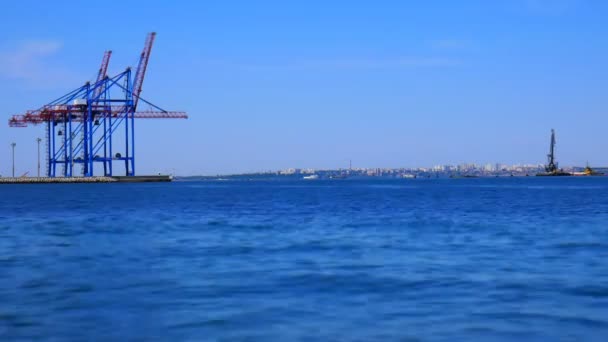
pixel 437 260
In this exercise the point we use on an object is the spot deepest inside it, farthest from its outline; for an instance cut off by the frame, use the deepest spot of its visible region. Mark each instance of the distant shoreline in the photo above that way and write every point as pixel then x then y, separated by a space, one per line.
pixel 274 177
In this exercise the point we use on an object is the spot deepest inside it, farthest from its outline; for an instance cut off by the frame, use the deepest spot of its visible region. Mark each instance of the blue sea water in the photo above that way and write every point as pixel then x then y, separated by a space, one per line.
pixel 344 260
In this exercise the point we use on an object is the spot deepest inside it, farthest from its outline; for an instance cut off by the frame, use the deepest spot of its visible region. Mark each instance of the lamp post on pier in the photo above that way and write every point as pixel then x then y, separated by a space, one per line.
pixel 13 146
pixel 38 140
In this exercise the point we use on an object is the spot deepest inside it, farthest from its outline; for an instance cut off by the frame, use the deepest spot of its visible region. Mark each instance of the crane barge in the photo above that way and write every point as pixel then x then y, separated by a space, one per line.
pixel 551 169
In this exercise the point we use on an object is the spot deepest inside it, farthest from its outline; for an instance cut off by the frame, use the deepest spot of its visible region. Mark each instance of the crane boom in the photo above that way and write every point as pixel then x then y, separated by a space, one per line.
pixel 103 70
pixel 551 165
pixel 39 117
pixel 141 68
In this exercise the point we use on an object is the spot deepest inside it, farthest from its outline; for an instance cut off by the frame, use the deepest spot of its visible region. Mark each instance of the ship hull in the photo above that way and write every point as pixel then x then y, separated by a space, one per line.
pixel 553 174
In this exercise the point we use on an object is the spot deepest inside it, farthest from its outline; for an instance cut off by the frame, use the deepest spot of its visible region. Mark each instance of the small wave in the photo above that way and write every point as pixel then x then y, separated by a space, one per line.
pixel 253 226
pixel 312 246
pixel 217 223
pixel 581 245
pixel 239 226
pixel 531 187
pixel 353 283
pixel 564 187
pixel 529 317
pixel 36 284
pixel 390 186
pixel 80 288
pixel 217 322
pixel 589 291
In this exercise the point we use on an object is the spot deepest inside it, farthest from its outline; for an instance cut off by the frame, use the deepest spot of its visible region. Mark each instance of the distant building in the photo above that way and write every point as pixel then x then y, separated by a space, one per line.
pixel 290 171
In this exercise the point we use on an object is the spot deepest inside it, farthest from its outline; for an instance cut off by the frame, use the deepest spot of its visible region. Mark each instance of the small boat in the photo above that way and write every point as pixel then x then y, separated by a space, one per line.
pixel 311 177
pixel 588 172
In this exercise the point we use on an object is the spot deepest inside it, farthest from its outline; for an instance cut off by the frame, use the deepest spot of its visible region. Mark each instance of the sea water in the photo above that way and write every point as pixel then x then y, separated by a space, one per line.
pixel 330 260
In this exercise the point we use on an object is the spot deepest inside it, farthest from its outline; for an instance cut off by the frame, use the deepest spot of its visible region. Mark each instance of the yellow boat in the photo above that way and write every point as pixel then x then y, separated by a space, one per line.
pixel 587 172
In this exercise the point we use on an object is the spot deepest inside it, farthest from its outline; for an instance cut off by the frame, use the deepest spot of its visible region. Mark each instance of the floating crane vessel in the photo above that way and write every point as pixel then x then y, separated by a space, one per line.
pixel 551 169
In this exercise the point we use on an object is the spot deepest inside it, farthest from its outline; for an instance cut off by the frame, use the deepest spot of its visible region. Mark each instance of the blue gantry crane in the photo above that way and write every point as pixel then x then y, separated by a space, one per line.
pixel 95 123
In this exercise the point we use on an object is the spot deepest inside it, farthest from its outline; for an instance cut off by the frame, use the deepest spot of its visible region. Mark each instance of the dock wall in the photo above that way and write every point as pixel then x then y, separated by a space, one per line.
pixel 53 180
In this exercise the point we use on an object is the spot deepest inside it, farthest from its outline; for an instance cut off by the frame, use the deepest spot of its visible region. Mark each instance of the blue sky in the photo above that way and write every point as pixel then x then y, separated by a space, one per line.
pixel 278 84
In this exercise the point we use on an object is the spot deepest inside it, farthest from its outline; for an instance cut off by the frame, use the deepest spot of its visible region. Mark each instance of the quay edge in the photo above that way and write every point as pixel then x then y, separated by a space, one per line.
pixel 100 179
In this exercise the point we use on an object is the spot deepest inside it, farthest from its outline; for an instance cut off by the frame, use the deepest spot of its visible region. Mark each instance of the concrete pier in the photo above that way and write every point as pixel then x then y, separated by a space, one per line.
pixel 52 180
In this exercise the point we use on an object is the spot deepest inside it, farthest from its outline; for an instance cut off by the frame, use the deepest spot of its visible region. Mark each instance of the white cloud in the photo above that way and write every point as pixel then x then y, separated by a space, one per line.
pixel 31 62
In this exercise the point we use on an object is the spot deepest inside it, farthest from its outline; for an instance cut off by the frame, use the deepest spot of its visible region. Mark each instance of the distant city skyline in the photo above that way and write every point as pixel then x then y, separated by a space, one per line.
pixel 463 168
pixel 272 85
